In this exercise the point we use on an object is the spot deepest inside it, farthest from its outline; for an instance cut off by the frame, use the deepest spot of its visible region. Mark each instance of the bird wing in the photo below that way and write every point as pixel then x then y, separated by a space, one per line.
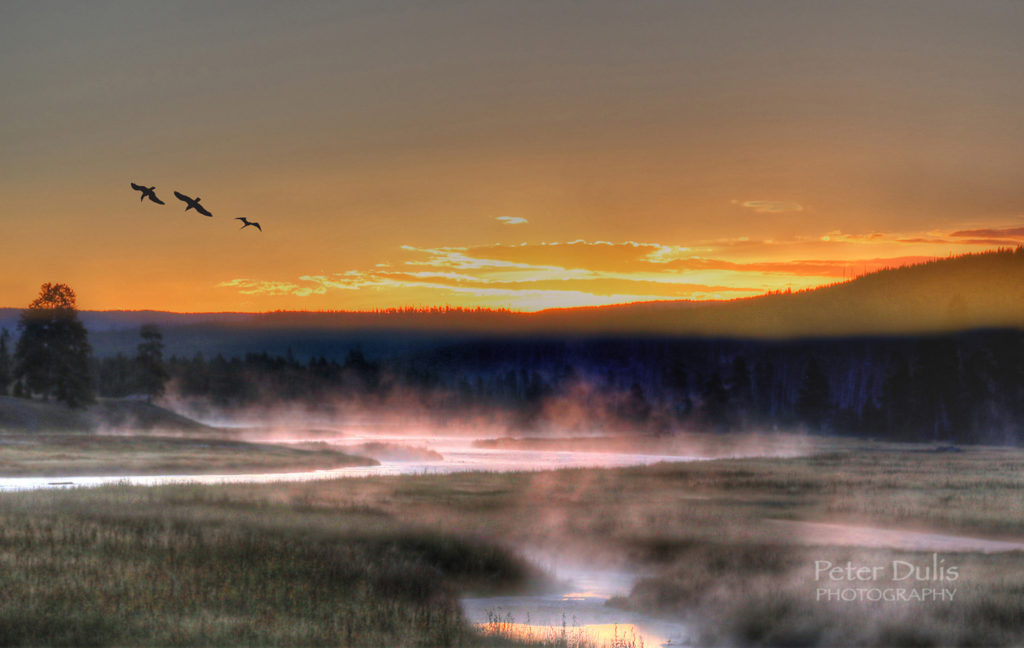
pixel 202 210
pixel 257 226
pixel 182 196
pixel 239 218
pixel 137 187
pixel 152 196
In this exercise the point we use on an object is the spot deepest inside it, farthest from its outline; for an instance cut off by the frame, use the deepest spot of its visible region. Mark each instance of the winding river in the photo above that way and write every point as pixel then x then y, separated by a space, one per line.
pixel 459 455
pixel 574 610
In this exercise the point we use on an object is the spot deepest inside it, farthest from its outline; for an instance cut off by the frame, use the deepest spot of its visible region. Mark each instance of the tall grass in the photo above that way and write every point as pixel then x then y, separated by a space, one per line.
pixel 381 561
pixel 753 594
pixel 66 454
pixel 121 566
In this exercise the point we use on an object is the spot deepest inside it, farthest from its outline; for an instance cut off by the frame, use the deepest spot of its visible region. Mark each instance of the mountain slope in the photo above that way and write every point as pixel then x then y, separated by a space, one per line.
pixel 966 292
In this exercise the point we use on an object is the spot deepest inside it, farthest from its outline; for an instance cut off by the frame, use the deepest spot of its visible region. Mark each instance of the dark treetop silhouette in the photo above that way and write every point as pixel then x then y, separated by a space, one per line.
pixel 193 203
pixel 147 192
pixel 53 354
pixel 247 223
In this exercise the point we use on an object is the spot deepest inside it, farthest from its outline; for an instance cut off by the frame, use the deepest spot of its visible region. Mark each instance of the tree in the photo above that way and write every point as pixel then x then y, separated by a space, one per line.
pixel 149 361
pixel 896 398
pixel 813 402
pixel 715 403
pixel 937 394
pixel 5 361
pixel 52 355
pixel 741 392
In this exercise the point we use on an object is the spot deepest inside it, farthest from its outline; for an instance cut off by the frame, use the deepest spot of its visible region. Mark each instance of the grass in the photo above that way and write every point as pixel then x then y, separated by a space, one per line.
pixel 184 566
pixel 754 594
pixel 702 529
pixel 24 415
pixel 79 454
pixel 567 635
pixel 381 561
pixel 677 444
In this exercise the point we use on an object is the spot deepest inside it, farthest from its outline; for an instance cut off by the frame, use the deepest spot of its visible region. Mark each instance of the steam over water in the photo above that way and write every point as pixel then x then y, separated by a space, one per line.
pixel 574 610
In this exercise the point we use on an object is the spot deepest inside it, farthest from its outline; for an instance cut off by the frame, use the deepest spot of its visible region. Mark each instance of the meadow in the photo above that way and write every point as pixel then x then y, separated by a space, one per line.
pixel 383 560
pixel 188 566
pixel 85 454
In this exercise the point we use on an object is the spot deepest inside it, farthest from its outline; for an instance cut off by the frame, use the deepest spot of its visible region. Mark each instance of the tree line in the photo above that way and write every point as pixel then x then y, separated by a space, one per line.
pixel 966 387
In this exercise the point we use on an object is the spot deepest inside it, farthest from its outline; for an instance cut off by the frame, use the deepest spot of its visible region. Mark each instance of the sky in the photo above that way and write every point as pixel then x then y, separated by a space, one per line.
pixel 508 154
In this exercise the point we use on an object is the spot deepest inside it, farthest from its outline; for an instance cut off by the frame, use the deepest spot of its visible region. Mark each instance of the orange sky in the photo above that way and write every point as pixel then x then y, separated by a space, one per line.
pixel 526 155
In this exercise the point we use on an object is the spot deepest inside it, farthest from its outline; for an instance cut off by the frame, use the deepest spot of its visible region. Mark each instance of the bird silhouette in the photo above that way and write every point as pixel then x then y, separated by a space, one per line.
pixel 193 203
pixel 147 192
pixel 247 223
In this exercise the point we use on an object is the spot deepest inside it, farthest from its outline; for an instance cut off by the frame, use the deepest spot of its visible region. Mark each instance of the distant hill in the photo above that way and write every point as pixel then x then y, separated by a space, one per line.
pixel 959 293
pixel 103 321
pixel 967 292
pixel 20 415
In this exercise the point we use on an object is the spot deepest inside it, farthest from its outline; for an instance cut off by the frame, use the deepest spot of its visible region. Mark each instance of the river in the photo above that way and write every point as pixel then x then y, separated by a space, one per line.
pixel 458 452
pixel 573 610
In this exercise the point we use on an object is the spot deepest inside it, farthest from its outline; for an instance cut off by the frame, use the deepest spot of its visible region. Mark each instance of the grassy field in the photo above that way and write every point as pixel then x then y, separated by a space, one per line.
pixel 79 454
pixel 704 531
pixel 190 566
pixel 107 414
pixel 381 561
pixel 681 444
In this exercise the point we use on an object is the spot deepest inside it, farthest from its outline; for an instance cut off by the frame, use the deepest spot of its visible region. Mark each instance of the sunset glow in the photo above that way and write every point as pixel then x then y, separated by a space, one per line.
pixel 499 154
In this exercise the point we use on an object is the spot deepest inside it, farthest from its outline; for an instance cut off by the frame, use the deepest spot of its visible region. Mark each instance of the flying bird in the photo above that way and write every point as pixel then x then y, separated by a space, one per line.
pixel 247 223
pixel 147 192
pixel 193 203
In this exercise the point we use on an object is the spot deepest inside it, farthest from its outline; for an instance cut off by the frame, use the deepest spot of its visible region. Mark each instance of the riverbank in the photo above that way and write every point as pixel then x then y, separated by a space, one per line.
pixel 183 566
pixel 87 454
pixel 22 415
pixel 703 539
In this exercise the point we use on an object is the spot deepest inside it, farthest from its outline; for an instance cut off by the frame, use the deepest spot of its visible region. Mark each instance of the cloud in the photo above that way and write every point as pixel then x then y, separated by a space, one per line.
pixel 988 237
pixel 512 220
pixel 1005 233
pixel 272 288
pixel 527 276
pixel 771 206
pixel 834 268
pixel 580 272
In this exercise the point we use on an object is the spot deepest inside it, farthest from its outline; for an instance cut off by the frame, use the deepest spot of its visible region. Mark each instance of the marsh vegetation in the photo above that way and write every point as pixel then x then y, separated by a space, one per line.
pixel 383 560
pixel 70 454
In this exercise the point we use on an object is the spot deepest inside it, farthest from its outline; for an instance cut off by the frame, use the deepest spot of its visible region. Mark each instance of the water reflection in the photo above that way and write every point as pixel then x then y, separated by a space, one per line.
pixel 574 613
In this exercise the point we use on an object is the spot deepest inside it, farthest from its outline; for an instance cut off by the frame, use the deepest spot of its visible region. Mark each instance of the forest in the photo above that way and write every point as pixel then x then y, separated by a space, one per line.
pixel 955 388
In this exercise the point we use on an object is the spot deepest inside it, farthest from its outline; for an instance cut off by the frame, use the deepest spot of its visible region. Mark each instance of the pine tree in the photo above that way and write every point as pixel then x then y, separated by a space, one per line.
pixel 52 355
pixel 6 370
pixel 740 388
pixel 715 403
pixel 896 398
pixel 813 402
pixel 149 361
